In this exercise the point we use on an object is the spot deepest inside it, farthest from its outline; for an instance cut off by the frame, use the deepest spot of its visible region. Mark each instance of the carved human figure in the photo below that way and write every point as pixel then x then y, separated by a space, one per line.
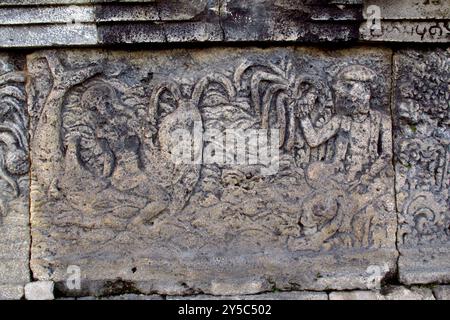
pixel 114 137
pixel 122 186
pixel 362 146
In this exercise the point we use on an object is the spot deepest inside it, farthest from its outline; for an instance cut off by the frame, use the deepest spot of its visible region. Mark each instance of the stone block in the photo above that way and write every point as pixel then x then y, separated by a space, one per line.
pixel 48 35
pixel 14 181
pixel 134 182
pixel 294 295
pixel 442 292
pixel 393 293
pixel 422 151
pixel 39 290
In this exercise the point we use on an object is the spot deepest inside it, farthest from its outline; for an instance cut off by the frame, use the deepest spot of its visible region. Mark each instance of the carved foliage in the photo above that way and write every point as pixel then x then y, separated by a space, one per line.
pixel 13 133
pixel 423 146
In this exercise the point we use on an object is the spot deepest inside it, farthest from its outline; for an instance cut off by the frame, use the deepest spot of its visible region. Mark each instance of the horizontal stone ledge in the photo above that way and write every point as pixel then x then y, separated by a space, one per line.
pixel 47 36
pixel 393 293
pixel 390 293
pixel 426 31
pixel 46 15
pixel 227 32
pixel 47 23
pixel 159 33
pixel 408 9
pixel 69 2
pixel 290 295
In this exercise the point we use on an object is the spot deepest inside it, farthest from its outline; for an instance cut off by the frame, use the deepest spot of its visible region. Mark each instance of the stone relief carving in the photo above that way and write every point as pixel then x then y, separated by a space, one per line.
pixel 106 160
pixel 422 151
pixel 341 146
pixel 14 181
pixel 112 186
pixel 13 134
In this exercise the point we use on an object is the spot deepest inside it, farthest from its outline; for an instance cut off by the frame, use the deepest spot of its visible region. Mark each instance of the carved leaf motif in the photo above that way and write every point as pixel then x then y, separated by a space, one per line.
pixel 13 123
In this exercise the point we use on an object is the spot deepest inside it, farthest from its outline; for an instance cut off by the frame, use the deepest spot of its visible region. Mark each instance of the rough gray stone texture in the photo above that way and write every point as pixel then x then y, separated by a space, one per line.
pixel 46 15
pixel 442 292
pixel 110 194
pixel 47 2
pixel 409 31
pixel 406 21
pixel 294 295
pixel 11 292
pixel 48 35
pixel 394 293
pixel 41 23
pixel 288 20
pixel 422 142
pixel 14 182
pixel 228 20
pixel 39 290
pixel 123 297
pixel 409 9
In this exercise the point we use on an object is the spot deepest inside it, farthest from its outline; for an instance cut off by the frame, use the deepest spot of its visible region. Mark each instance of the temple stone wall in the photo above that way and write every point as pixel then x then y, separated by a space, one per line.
pixel 218 149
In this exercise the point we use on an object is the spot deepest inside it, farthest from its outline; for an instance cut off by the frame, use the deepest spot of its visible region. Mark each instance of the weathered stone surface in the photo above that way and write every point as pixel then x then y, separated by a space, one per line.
pixel 39 290
pixel 11 292
pixel 14 182
pixel 122 297
pixel 264 20
pixel 355 295
pixel 112 194
pixel 394 293
pixel 414 293
pixel 409 9
pixel 295 295
pixel 41 23
pixel 69 2
pixel 421 141
pixel 49 15
pixel 160 33
pixel 408 31
pixel 406 21
pixel 442 292
pixel 167 10
pixel 48 35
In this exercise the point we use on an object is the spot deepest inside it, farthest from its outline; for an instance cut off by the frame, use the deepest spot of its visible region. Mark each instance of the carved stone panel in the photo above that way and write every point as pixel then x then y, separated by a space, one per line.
pixel 422 137
pixel 222 171
pixel 14 182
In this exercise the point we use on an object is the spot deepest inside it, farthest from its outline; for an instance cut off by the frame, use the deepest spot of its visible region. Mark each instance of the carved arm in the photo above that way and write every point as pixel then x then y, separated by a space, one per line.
pixel 316 136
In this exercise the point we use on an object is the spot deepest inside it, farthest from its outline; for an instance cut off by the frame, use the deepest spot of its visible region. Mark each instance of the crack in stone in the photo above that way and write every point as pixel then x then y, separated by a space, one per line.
pixel 220 20
pixel 392 107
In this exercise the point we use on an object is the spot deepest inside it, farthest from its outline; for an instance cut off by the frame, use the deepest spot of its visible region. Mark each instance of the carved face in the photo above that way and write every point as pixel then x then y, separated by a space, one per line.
pixel 353 96
pixel 100 98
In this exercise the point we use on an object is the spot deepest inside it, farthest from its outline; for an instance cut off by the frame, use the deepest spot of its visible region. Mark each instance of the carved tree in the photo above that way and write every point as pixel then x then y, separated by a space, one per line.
pixel 280 87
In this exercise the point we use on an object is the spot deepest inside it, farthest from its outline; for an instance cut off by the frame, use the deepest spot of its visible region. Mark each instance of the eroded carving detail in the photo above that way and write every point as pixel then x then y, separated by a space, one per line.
pixel 335 151
pixel 14 181
pixel 109 166
pixel 112 187
pixel 423 141
pixel 422 163
pixel 13 135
